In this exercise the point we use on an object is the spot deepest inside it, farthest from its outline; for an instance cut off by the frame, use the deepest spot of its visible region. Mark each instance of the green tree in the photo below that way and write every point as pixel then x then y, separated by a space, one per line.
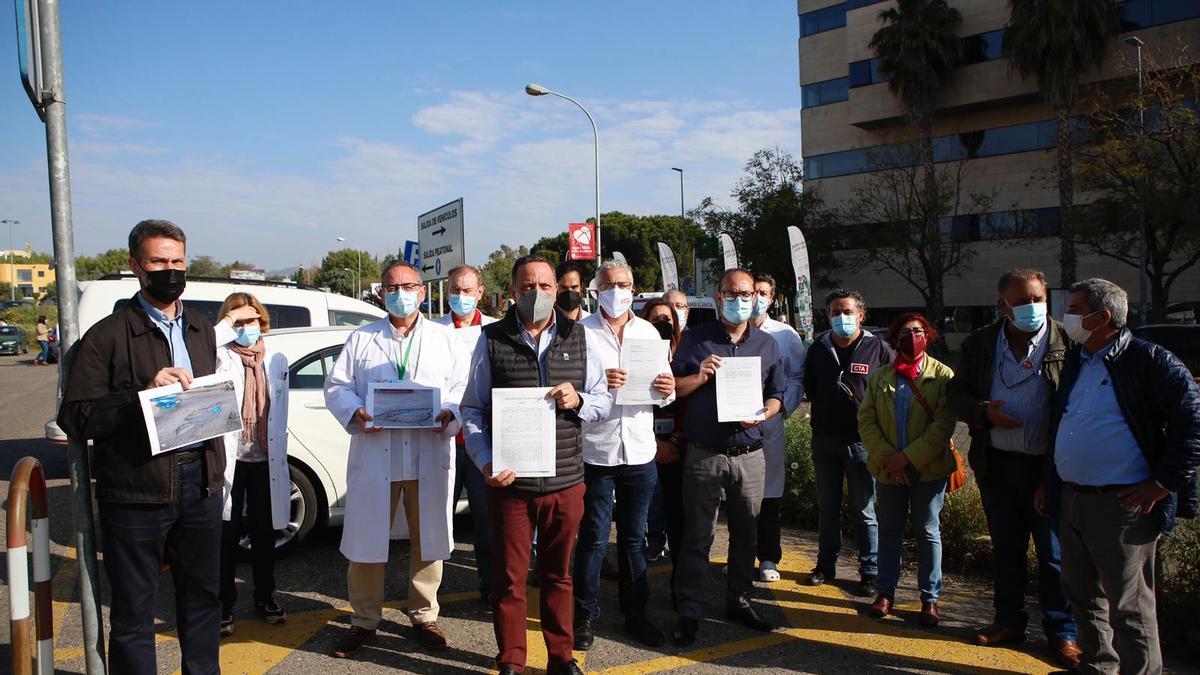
pixel 1155 166
pixel 51 294
pixel 204 266
pixel 5 290
pixel 497 271
pixel 112 261
pixel 1056 42
pixel 339 270
pixel 769 199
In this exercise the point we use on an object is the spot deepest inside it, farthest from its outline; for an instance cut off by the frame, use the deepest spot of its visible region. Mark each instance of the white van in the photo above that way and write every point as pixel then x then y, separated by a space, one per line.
pixel 291 305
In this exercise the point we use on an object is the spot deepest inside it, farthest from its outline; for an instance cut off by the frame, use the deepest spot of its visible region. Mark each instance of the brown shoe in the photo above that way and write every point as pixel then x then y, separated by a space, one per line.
pixel 881 607
pixel 352 642
pixel 929 614
pixel 996 634
pixel 1066 652
pixel 431 636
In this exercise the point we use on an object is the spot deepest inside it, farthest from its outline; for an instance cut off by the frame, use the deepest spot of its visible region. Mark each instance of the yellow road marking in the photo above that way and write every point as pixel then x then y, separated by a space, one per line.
pixel 65 581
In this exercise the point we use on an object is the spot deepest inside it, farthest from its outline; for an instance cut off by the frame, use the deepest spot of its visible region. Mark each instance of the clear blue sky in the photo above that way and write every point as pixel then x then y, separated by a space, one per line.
pixel 268 128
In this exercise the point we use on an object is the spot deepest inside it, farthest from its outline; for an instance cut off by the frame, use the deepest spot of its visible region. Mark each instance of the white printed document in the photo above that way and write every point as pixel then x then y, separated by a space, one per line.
pixel 176 418
pixel 642 361
pixel 740 389
pixel 523 432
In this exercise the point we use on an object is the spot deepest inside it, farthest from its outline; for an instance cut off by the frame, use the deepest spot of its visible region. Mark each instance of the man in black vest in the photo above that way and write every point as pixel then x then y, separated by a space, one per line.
pixel 534 346
pixel 151 504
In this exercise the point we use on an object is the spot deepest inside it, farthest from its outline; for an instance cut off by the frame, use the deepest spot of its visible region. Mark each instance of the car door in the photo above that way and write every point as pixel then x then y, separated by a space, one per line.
pixel 311 425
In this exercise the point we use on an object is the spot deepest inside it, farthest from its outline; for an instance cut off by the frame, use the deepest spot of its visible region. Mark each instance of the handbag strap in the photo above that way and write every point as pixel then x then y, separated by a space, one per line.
pixel 912 384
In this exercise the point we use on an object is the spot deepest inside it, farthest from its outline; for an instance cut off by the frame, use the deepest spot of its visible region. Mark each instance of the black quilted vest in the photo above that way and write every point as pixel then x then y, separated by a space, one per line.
pixel 515 364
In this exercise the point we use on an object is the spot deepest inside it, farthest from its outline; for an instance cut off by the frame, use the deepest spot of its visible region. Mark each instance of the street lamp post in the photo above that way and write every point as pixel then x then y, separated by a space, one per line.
pixel 358 283
pixel 12 273
pixel 1143 252
pixel 682 222
pixel 538 90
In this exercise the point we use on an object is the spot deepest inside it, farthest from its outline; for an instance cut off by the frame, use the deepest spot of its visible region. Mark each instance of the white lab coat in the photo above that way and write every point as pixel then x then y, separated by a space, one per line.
pixel 366 358
pixel 793 351
pixel 276 367
pixel 467 335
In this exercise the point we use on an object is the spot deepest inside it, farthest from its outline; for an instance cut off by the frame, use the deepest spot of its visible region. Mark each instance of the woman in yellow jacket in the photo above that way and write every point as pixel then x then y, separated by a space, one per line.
pixel 906 424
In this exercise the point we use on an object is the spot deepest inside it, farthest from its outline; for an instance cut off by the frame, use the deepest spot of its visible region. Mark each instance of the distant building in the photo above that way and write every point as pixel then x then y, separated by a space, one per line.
pixel 29 279
pixel 988 114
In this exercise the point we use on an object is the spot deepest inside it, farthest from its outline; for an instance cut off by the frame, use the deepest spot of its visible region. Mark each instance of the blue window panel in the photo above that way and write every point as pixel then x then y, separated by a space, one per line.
pixel 855 4
pixel 865 72
pixel 1136 14
pixel 824 93
pixel 983 47
pixel 821 20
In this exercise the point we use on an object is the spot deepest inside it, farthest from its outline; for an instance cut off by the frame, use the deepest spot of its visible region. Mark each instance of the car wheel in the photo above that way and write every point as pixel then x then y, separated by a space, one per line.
pixel 303 507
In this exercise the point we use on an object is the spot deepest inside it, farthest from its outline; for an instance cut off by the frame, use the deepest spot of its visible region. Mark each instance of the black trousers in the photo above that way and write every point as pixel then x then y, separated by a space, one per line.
pixel 252 494
pixel 670 479
pixel 135 536
pixel 769 533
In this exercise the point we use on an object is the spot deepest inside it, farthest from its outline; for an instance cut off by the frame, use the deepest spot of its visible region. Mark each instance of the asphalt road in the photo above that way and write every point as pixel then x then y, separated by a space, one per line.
pixel 825 629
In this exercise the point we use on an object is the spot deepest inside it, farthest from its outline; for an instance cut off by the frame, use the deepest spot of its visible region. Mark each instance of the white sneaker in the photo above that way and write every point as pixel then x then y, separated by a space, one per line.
pixel 768 572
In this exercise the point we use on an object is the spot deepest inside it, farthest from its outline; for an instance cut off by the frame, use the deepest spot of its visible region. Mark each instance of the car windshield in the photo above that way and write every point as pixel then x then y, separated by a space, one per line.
pixel 9 330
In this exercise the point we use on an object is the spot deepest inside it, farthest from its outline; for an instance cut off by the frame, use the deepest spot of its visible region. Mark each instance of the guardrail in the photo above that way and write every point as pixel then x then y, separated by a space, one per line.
pixel 27 494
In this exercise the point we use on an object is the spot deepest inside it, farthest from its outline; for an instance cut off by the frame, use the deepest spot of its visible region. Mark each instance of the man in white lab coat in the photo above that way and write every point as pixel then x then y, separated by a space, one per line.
pixel 466 290
pixel 412 468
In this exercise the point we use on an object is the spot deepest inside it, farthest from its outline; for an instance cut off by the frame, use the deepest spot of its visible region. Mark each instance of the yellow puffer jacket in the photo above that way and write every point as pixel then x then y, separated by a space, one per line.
pixel 929 439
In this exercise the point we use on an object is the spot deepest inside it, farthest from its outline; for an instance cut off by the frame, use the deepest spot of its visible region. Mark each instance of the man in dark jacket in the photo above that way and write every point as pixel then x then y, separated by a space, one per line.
pixel 835 376
pixel 534 346
pixel 1004 389
pixel 1126 445
pixel 152 504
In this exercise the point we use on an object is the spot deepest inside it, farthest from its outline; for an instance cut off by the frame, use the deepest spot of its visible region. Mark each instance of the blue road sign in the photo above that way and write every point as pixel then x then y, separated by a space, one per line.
pixel 412 255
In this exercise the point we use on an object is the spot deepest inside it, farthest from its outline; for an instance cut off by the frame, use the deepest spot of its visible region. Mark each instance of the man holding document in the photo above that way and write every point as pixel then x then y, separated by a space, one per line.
pixel 395 388
pixel 733 378
pixel 531 389
pixel 618 454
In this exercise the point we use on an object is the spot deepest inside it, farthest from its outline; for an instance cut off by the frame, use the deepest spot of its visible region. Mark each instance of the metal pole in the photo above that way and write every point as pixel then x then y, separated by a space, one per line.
pixel 441 298
pixel 54 109
pixel 358 286
pixel 1143 268
pixel 682 224
pixel 12 274
pixel 596 166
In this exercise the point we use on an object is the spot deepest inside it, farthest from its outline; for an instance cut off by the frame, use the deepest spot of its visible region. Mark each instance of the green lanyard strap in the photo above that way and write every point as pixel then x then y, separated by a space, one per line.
pixel 402 366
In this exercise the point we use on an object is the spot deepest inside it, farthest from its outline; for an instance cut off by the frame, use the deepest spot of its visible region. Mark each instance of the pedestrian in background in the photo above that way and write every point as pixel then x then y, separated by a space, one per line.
pixel 257 480
pixel 837 367
pixel 906 423
pixel 1004 390
pixel 571 292
pixel 1122 469
pixel 42 335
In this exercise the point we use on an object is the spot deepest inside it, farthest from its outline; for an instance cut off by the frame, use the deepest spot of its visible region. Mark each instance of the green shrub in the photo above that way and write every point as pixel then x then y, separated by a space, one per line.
pixel 1178 584
pixel 799 507
pixel 26 317
pixel 966 546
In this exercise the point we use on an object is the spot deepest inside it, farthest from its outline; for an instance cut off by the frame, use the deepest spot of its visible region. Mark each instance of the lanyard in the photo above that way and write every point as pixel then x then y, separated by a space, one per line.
pixel 402 366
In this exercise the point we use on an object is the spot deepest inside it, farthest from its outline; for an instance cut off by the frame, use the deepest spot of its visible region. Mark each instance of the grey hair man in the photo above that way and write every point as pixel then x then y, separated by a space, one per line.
pixel 1123 467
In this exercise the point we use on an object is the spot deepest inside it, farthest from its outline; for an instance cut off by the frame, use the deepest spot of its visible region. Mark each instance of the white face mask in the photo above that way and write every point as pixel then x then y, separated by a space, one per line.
pixel 1073 324
pixel 616 301
pixel 681 314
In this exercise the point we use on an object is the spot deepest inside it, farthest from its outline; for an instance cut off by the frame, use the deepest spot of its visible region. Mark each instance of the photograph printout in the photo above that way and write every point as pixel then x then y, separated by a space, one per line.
pixel 642 361
pixel 176 418
pixel 740 389
pixel 403 405
pixel 523 432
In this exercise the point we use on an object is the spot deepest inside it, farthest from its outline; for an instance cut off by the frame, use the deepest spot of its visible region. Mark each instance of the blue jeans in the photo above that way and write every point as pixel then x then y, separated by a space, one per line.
pixel 1007 489
pixel 468 475
pixel 634 487
pixel 45 353
pixel 656 522
pixel 921 504
pixel 833 459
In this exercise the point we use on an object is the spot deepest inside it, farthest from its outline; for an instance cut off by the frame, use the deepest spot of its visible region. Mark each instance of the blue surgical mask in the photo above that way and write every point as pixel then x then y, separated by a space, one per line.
pixel 844 325
pixel 760 305
pixel 248 335
pixel 462 305
pixel 401 303
pixel 1028 318
pixel 737 310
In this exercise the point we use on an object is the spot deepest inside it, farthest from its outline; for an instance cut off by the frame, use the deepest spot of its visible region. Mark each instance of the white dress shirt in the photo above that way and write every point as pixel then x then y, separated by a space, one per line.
pixel 626 434
pixel 793 351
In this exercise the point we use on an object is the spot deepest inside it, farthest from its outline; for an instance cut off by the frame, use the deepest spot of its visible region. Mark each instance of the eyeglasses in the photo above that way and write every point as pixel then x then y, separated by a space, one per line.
pixel 623 285
pixel 407 288
pixel 905 332
pixel 734 295
pixel 679 305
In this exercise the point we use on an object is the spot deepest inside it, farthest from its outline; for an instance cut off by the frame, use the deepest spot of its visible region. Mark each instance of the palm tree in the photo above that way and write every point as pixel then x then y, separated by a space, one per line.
pixel 918 49
pixel 1057 41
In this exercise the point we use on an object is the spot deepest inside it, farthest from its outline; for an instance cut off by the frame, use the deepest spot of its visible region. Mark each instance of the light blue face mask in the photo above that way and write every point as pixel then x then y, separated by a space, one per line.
pixel 401 303
pixel 462 305
pixel 248 335
pixel 760 305
pixel 1028 318
pixel 737 310
pixel 844 325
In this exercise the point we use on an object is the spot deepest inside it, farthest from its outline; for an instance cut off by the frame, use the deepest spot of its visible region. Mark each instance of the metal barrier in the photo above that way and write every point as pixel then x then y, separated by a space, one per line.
pixel 27 493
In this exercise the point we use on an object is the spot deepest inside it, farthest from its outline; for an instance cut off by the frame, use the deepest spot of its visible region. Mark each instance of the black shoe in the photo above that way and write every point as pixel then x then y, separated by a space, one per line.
pixel 226 624
pixel 583 634
pixel 866 586
pixel 567 668
pixel 749 618
pixel 270 612
pixel 508 670
pixel 685 631
pixel 642 629
pixel 819 576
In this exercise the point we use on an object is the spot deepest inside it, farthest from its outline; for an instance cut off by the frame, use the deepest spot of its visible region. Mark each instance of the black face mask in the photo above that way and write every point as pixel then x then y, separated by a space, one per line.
pixel 568 300
pixel 665 329
pixel 165 286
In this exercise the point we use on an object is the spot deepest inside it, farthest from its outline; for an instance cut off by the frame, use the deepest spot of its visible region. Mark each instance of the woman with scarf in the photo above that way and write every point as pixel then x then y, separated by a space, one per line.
pixel 257 481
pixel 906 423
